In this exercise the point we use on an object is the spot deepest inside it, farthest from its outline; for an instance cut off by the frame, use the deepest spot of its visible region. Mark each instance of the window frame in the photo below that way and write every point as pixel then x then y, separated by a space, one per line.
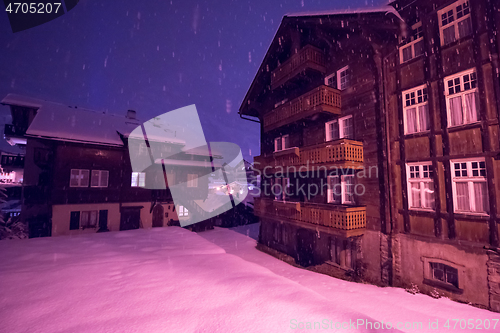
pixel 281 138
pixel 453 8
pixel 339 78
pixel 425 101
pixel 470 180
pixel 100 173
pixel 462 94
pixel 344 196
pixel 87 215
pixel 341 128
pixel 431 280
pixel 80 178
pixel 328 77
pixel 141 179
pixel 281 181
pixel 411 44
pixel 182 211
pixel 421 180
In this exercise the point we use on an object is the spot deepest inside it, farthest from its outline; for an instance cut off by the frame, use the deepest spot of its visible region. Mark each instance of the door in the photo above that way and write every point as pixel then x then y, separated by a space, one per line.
pixel 103 220
pixel 130 218
pixel 305 247
pixel 158 216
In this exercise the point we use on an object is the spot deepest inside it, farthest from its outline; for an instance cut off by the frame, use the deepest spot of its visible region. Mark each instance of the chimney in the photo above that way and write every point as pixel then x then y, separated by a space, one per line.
pixel 131 114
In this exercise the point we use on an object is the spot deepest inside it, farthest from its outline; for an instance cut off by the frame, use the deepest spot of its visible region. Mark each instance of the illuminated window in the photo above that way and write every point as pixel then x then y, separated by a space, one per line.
pixel 138 179
pixel 455 22
pixel 79 178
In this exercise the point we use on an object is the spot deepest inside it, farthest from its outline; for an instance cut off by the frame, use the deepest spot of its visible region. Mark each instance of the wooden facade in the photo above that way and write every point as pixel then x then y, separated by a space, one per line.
pixel 323 71
pixel 74 186
pixel 450 228
pixel 423 90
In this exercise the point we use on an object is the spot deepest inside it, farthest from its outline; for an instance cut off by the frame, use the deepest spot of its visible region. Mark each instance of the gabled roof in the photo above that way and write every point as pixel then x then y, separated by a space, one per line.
pixel 64 123
pixel 367 10
pixel 291 19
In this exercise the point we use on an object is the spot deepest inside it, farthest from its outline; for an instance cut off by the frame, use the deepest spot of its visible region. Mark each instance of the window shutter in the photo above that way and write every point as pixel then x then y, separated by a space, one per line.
pixel 74 222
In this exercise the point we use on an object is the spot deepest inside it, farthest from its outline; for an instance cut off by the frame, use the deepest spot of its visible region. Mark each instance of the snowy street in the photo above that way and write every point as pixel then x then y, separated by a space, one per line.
pixel 174 280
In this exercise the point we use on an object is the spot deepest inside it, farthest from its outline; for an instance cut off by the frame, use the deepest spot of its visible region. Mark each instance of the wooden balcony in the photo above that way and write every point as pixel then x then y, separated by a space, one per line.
pixel 309 57
pixel 349 221
pixel 322 99
pixel 343 153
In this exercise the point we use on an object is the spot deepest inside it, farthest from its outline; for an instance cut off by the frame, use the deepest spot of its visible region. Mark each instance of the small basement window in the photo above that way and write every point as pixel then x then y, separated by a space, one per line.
pixel 444 273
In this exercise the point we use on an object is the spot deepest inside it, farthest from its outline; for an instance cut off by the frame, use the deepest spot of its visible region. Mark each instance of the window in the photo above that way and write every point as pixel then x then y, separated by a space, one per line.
pixel 331 80
pixel 341 189
pixel 341 128
pixel 279 188
pixel 79 178
pixel 470 191
pixel 420 185
pixel 415 47
pixel 281 143
pixel 455 22
pixel 192 180
pixel 343 252
pixel 444 273
pixel 99 178
pixel 182 211
pixel 416 110
pixel 461 98
pixel 343 78
pixel 138 179
pixel 84 220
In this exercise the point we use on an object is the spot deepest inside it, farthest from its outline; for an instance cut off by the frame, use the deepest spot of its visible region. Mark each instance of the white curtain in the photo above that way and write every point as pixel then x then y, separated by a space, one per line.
pixel 471 107
pixel 411 120
pixel 463 196
pixel 449 35
pixel 423 117
pixel 481 197
pixel 429 195
pixel 415 195
pixel 456 111
pixel 465 27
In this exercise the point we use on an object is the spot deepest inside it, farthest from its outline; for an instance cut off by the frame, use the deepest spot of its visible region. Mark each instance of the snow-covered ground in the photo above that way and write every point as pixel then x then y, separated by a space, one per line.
pixel 173 280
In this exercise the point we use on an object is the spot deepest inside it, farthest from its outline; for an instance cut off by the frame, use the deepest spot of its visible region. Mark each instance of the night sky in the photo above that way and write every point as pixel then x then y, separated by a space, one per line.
pixel 153 57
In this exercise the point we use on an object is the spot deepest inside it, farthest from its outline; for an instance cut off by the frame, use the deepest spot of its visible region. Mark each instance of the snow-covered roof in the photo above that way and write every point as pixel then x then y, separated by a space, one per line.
pixel 60 122
pixel 365 10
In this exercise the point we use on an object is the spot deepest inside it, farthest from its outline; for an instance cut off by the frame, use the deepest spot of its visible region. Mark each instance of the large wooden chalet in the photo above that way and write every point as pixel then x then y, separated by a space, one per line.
pixel 380 145
pixel 78 176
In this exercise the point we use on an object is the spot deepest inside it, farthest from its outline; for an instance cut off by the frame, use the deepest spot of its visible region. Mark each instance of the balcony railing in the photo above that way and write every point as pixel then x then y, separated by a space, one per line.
pixel 321 99
pixel 343 152
pixel 333 216
pixel 307 57
pixel 11 130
